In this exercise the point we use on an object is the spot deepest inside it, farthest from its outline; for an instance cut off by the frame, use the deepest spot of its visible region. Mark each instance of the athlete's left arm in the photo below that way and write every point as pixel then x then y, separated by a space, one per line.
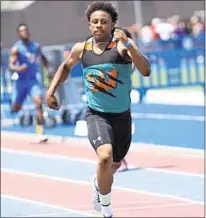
pixel 140 61
pixel 128 46
pixel 43 58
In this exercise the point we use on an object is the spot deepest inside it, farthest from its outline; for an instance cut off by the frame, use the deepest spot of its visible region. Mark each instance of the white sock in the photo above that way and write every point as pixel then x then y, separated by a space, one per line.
pixel 106 204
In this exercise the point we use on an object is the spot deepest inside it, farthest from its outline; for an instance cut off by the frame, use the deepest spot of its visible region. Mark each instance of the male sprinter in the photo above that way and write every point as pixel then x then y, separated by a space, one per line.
pixel 107 66
pixel 24 59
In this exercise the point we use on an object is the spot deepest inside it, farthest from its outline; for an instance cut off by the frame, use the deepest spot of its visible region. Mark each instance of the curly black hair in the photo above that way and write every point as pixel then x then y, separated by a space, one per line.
pixel 102 6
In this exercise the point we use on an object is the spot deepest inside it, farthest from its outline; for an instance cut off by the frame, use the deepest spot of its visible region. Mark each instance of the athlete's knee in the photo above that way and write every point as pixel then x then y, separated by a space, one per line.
pixel 15 108
pixel 38 102
pixel 104 153
pixel 115 166
pixel 38 107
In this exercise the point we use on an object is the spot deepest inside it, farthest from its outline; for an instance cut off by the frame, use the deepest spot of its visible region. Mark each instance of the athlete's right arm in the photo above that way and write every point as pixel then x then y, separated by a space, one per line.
pixel 64 69
pixel 13 59
pixel 62 73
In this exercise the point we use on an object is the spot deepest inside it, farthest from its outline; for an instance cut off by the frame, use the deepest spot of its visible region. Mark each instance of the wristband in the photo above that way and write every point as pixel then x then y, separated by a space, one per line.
pixel 127 43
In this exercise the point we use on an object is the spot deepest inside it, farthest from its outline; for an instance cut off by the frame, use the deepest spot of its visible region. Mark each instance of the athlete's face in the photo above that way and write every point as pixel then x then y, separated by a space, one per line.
pixel 101 25
pixel 24 32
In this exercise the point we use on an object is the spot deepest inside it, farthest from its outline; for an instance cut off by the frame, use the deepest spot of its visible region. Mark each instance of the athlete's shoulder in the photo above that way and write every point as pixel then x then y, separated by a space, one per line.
pixel 16 47
pixel 35 43
pixel 79 48
pixel 17 43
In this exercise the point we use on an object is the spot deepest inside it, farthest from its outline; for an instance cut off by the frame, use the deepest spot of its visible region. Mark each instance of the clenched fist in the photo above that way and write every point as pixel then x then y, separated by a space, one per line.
pixel 52 101
pixel 120 36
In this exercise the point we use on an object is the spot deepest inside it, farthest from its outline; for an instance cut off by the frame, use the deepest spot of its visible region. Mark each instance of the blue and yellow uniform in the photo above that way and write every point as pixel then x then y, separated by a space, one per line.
pixel 27 82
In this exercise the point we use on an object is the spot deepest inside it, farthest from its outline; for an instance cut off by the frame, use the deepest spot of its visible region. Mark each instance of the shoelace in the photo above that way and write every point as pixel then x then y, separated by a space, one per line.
pixel 98 199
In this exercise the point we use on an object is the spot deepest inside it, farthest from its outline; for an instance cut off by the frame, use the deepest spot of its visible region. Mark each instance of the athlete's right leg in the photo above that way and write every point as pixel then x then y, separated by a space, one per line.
pixel 101 136
pixel 19 93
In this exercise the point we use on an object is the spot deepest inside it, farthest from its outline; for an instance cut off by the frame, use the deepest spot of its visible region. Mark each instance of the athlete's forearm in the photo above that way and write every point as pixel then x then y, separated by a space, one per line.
pixel 18 68
pixel 44 61
pixel 140 61
pixel 14 67
pixel 60 76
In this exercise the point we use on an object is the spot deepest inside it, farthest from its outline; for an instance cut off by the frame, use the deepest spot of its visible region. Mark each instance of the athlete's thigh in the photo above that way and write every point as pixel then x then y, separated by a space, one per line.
pixel 99 129
pixel 19 93
pixel 36 92
pixel 122 127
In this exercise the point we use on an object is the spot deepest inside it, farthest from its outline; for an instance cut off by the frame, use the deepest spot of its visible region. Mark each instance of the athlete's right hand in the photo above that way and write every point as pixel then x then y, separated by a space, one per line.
pixel 52 101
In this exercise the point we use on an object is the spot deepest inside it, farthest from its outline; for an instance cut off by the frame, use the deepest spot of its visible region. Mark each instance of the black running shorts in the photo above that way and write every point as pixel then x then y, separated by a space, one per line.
pixel 110 128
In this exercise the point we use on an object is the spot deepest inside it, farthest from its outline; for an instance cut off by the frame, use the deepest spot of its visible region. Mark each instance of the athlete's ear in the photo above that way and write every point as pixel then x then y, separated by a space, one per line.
pixel 89 26
pixel 113 30
pixel 113 24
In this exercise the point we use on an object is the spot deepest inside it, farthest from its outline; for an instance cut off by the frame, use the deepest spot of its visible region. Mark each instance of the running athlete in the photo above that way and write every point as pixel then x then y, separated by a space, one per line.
pixel 106 59
pixel 24 59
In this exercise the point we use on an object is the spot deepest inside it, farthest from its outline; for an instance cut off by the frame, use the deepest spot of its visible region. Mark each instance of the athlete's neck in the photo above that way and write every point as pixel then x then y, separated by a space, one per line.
pixel 105 40
pixel 25 41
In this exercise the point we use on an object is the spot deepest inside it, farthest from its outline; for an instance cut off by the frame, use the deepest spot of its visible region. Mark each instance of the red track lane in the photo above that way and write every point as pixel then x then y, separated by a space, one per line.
pixel 139 158
pixel 78 197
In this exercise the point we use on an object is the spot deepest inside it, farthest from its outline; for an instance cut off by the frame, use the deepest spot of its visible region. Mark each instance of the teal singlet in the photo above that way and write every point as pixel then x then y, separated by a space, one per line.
pixel 107 78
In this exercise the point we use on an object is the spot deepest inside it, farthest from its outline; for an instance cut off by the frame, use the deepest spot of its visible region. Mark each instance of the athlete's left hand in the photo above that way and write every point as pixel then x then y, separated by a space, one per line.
pixel 120 36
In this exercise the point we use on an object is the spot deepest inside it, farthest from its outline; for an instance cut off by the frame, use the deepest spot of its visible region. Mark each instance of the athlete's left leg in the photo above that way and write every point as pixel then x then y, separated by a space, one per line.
pixel 124 165
pixel 122 140
pixel 36 93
